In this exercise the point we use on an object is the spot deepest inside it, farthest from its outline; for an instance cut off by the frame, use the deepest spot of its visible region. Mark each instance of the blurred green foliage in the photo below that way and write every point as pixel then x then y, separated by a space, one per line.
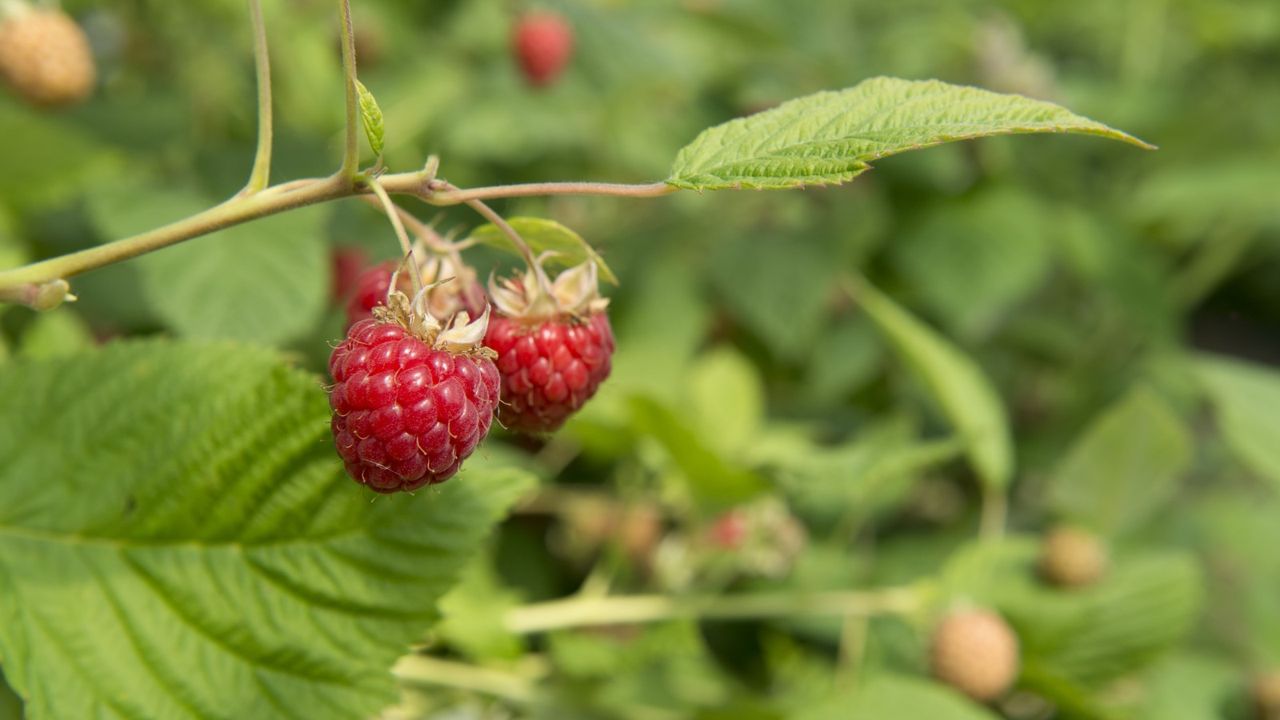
pixel 1094 288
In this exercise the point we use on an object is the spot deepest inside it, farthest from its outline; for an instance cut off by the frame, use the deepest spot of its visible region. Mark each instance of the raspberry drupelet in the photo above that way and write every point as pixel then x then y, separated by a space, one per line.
pixel 411 400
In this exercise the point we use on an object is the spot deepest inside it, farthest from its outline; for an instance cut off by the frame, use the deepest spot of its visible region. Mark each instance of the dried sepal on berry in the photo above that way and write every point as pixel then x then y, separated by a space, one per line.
pixel 574 292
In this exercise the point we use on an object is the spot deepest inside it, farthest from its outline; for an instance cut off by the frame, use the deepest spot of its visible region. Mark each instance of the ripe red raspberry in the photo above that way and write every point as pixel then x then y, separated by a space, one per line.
pixel 543 43
pixel 371 288
pixel 411 400
pixel 554 348
pixel 348 267
pixel 730 530
pixel 976 652
pixel 461 292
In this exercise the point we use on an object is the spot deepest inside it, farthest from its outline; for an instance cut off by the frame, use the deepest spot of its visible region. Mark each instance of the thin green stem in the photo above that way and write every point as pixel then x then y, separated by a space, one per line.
pixel 351 151
pixel 995 511
pixel 453 196
pixel 260 177
pixel 393 215
pixel 424 670
pixel 595 611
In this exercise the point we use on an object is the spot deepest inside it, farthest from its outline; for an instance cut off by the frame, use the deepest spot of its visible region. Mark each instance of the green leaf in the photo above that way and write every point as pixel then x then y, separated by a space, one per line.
pixel 266 281
pixel 179 540
pixel 898 697
pixel 1188 687
pixel 1124 466
pixel 831 137
pixel 543 235
pixel 1246 398
pixel 955 381
pixel 973 260
pixel 713 481
pixel 371 118
pixel 777 288
pixel 1145 607
pixel 54 333
pixel 728 399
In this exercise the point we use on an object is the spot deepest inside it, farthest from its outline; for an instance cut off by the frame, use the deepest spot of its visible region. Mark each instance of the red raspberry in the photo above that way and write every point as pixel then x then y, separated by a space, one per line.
pixel 550 368
pixel 407 412
pixel 730 530
pixel 347 267
pixel 543 44
pixel 461 292
pixel 370 291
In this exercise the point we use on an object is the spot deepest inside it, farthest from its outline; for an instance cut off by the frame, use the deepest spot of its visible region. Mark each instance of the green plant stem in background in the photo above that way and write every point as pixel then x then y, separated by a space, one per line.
pixel 351 149
pixel 429 671
pixel 260 177
pixel 595 611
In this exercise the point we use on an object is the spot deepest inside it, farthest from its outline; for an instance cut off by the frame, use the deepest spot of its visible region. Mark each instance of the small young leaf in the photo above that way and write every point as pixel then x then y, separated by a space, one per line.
pixel 178 540
pixel 1246 398
pixel 957 384
pixel 1124 466
pixel 543 235
pixel 831 137
pixel 371 118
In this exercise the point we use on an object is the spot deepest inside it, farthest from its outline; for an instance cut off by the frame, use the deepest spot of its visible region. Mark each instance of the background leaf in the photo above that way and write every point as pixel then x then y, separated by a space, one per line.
pixel 1124 467
pixel 543 235
pixel 955 381
pixel 223 565
pixel 1247 400
pixel 896 697
pixel 265 281
pixel 831 137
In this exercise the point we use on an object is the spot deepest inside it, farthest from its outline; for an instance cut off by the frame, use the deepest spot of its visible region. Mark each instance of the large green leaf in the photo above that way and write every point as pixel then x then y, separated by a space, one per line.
pixel 957 384
pixel 1142 610
pixel 567 247
pixel 898 697
pixel 1124 466
pixel 178 540
pixel 713 480
pixel 727 396
pixel 1247 400
pixel 265 281
pixel 831 137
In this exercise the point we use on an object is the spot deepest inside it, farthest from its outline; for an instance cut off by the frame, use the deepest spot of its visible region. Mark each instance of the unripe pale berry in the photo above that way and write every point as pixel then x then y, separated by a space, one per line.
pixel 45 57
pixel 1265 692
pixel 976 652
pixel 1071 557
